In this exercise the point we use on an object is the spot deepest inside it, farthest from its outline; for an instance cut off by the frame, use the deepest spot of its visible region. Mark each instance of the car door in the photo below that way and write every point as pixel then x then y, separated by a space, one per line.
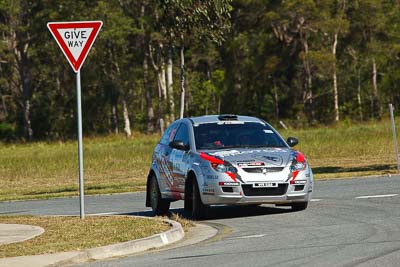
pixel 179 159
pixel 163 152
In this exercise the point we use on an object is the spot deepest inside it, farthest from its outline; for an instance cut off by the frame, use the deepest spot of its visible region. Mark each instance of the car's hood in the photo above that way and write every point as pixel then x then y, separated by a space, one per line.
pixel 273 157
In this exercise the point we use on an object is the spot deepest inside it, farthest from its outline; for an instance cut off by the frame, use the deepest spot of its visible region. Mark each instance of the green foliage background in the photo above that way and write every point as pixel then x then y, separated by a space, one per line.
pixel 272 59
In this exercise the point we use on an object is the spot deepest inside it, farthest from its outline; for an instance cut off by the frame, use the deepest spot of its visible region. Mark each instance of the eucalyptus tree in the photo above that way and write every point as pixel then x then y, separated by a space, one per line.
pixel 332 24
pixel 141 13
pixel 369 35
pixel 390 82
pixel 294 25
pixel 17 21
pixel 204 20
pixel 114 59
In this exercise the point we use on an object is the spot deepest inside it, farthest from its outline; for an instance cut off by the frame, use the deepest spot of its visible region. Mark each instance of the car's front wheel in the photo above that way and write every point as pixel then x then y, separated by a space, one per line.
pixel 159 205
pixel 199 210
pixel 298 206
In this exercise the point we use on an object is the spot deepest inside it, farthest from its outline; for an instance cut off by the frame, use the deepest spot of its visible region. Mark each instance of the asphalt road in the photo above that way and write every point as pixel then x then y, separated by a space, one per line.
pixel 354 222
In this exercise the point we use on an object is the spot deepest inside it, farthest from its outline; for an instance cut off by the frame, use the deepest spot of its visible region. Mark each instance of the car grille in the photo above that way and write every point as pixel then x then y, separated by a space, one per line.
pixel 248 190
pixel 260 169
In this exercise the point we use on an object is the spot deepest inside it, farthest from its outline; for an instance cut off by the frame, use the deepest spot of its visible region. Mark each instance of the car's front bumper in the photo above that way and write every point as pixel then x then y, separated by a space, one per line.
pixel 285 193
pixel 280 188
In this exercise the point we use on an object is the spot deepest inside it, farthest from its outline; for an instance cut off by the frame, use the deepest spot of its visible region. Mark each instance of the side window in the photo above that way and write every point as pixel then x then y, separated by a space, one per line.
pixel 182 134
pixel 169 134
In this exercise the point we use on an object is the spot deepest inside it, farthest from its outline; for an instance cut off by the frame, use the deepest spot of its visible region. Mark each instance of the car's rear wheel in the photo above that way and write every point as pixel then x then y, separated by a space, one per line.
pixel 159 205
pixel 199 210
pixel 298 206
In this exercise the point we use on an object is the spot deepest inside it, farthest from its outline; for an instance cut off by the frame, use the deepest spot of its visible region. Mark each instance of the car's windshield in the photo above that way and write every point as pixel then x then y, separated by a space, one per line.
pixel 238 134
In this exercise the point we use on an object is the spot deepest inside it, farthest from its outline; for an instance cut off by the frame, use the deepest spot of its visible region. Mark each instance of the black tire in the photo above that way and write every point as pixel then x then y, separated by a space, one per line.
pixel 188 202
pixel 158 205
pixel 199 210
pixel 298 206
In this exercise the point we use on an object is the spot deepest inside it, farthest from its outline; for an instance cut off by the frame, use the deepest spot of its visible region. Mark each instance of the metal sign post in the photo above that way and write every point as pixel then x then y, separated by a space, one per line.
pixel 80 145
pixel 396 149
pixel 75 40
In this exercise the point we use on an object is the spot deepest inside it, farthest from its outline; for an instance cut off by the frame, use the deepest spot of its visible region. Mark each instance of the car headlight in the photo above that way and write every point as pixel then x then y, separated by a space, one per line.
pixel 224 168
pixel 221 166
pixel 298 164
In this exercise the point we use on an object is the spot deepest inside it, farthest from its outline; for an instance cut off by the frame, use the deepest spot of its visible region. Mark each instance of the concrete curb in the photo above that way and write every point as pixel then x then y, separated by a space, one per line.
pixel 174 234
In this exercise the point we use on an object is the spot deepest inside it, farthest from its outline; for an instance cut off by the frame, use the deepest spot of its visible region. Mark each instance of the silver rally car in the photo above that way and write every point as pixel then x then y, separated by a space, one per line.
pixel 226 159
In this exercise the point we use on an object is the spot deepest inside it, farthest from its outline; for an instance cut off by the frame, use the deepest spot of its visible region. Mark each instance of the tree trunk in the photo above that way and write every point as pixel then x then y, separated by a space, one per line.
pixel 27 120
pixel 149 101
pixel 308 93
pixel 25 80
pixel 127 123
pixel 160 104
pixel 276 97
pixel 3 107
pixel 187 92
pixel 146 88
pixel 374 95
pixel 163 81
pixel 182 81
pixel 21 81
pixel 359 96
pixel 170 87
pixel 335 89
pixel 114 117
pixel 160 69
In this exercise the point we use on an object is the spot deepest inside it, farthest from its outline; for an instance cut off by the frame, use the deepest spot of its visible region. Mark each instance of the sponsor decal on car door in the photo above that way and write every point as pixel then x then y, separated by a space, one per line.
pixel 166 178
pixel 179 159
pixel 179 164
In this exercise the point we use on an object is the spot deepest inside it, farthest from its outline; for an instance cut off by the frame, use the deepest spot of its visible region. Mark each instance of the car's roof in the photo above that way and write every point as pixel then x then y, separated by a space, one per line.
pixel 223 117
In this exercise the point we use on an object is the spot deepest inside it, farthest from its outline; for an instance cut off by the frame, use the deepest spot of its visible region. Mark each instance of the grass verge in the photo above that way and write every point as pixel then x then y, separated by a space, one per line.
pixel 114 164
pixel 348 150
pixel 72 233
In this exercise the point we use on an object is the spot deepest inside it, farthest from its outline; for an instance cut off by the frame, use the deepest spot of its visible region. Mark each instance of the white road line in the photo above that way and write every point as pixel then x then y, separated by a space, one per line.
pixel 376 196
pixel 315 199
pixel 248 236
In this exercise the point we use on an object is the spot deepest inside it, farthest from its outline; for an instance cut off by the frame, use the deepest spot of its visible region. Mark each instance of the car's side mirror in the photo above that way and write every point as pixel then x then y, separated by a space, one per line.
pixel 178 144
pixel 292 141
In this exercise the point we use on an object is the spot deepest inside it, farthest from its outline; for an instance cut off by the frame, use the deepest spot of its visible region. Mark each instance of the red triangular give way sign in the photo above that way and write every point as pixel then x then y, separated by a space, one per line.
pixel 75 39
